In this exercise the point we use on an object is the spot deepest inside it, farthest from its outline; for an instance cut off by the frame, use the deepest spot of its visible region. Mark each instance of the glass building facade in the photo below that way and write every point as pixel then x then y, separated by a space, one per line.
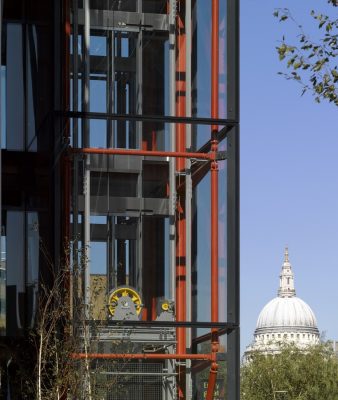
pixel 120 161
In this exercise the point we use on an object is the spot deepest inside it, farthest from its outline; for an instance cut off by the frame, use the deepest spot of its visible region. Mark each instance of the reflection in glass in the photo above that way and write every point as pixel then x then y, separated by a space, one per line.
pixel 15 264
pixel 3 107
pixel 32 243
pixel 31 50
pixel 32 248
pixel 15 88
pixel 3 282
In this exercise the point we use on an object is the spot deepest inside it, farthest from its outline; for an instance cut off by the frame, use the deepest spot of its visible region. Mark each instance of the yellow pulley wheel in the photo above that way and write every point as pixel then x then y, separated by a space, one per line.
pixel 124 292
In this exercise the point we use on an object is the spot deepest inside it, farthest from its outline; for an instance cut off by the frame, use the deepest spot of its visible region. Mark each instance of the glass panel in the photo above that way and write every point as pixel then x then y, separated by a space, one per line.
pixel 97 92
pixel 222 98
pixel 201 377
pixel 155 180
pixel 32 273
pixel 222 236
pixel 3 107
pixel 31 87
pixel 202 255
pixel 98 279
pixel 116 5
pixel 97 45
pixel 154 91
pixel 15 264
pixel 3 260
pixel 15 88
pixel 15 249
pixel 125 250
pixel 98 133
pixel 32 249
pixel 154 6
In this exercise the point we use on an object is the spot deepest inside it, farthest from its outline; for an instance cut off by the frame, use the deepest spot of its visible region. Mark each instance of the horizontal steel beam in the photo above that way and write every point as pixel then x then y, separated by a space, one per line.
pixel 225 327
pixel 148 153
pixel 151 356
pixel 149 118
pixel 139 373
pixel 125 20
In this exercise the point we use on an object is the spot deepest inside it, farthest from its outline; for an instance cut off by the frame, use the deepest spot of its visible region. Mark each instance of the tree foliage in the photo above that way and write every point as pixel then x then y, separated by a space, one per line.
pixel 291 375
pixel 312 63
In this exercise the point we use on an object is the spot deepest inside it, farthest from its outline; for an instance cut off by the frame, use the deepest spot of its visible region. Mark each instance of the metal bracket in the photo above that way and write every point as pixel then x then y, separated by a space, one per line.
pixel 182 173
pixel 221 155
pixel 221 356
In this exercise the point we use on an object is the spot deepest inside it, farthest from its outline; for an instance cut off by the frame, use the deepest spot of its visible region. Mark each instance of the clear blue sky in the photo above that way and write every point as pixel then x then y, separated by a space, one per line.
pixel 289 175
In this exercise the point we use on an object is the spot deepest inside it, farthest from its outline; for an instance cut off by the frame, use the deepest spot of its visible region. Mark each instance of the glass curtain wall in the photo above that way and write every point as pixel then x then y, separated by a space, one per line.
pixel 30 154
pixel 155 177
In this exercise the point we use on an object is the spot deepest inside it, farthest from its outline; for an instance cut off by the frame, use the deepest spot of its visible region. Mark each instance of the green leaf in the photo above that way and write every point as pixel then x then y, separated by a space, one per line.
pixel 328 27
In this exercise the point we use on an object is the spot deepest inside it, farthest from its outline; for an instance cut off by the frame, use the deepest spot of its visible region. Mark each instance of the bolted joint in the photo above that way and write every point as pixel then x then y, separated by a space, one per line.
pixel 214 165
pixel 214 347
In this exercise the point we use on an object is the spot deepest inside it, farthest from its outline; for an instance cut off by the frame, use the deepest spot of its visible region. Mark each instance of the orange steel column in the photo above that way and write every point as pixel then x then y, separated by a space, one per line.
pixel 180 213
pixel 214 195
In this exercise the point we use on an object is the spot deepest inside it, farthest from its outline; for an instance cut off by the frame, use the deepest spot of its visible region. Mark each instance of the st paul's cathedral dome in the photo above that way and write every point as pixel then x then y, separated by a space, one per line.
pixel 286 318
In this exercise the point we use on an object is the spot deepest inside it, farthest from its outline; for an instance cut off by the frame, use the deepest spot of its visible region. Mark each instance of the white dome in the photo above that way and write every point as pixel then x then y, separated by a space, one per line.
pixel 285 319
pixel 286 314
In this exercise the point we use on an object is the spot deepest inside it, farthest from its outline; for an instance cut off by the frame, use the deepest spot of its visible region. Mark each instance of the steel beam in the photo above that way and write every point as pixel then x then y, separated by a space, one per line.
pixel 151 118
pixel 188 190
pixel 214 193
pixel 85 143
pixel 125 21
pixel 233 281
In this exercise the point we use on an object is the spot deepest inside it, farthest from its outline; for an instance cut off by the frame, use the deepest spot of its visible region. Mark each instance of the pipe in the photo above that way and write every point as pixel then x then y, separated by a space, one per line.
pixel 214 195
pixel 147 356
pixel 212 380
pixel 149 153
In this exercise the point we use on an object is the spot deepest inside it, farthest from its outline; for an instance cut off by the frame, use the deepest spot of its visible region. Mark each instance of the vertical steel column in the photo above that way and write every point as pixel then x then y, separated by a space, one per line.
pixel 138 139
pixel 233 345
pixel 65 165
pixel 172 168
pixel 86 143
pixel 1 11
pixel 110 51
pixel 172 162
pixel 188 191
pixel 180 212
pixel 214 193
pixel 110 95
pixel 75 183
